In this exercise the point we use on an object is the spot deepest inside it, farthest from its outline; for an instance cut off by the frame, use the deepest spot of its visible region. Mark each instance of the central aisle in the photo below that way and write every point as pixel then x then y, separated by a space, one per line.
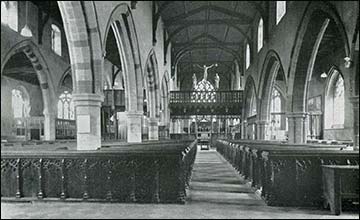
pixel 215 181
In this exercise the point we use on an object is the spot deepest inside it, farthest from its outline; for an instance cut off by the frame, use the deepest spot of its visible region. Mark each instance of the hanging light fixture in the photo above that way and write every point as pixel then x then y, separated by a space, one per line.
pixel 323 75
pixel 26 32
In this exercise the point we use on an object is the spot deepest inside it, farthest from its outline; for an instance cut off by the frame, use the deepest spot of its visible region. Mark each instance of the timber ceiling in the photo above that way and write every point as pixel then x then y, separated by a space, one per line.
pixel 213 31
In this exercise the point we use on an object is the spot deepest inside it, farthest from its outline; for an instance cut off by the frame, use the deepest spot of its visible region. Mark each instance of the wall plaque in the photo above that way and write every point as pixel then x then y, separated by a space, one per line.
pixel 83 123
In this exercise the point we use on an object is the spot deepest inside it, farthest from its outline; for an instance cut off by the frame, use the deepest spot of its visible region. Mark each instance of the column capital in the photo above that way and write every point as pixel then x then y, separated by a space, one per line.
pixel 134 113
pixel 296 114
pixel 48 113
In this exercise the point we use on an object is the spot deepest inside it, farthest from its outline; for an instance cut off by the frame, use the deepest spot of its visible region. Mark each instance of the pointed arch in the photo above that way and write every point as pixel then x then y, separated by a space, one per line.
pixel 334 109
pixel 165 114
pixel 271 68
pixel 83 39
pixel 37 60
pixel 249 93
pixel 122 23
pixel 300 69
pixel 152 85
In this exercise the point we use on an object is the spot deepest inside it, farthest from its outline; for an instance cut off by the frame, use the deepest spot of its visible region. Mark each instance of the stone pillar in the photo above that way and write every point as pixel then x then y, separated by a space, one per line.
pixel 87 107
pixel 134 126
pixel 261 129
pixel 244 129
pixel 49 126
pixel 355 104
pixel 297 127
pixel 153 129
pixel 177 126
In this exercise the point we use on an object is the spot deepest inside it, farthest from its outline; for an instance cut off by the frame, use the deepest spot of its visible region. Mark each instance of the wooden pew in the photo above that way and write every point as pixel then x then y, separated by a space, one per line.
pixel 134 173
pixel 339 182
pixel 283 171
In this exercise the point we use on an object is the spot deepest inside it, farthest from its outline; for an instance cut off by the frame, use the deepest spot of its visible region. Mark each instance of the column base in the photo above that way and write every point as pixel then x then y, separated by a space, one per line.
pixel 49 126
pixel 297 127
pixel 88 120
pixel 153 129
pixel 134 127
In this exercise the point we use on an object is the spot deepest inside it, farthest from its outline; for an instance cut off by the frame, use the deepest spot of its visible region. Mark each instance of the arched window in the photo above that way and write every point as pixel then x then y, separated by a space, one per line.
pixel 252 109
pixel 275 107
pixel 4 12
pixel 56 39
pixel 20 104
pixel 65 106
pixel 247 56
pixel 335 102
pixel 9 14
pixel 260 34
pixel 280 10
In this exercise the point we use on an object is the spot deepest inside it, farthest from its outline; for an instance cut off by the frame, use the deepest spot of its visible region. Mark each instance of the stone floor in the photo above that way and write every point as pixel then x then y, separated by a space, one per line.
pixel 216 191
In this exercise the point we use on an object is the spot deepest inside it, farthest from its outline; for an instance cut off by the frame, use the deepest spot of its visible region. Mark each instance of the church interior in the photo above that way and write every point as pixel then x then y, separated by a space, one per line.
pixel 180 109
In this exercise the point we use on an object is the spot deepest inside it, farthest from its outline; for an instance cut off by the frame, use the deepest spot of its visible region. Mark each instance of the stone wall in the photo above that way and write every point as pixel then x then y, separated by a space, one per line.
pixel 7 116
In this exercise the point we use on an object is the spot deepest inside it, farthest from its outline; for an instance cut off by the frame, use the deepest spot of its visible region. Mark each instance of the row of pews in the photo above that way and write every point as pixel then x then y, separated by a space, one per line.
pixel 292 174
pixel 151 172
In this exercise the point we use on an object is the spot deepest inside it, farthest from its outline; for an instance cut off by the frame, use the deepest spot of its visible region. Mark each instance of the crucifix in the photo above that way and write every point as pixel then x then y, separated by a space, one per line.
pixel 206 69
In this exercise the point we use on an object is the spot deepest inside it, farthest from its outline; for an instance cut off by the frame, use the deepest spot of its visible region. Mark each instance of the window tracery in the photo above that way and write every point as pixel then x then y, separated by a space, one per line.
pixel 65 106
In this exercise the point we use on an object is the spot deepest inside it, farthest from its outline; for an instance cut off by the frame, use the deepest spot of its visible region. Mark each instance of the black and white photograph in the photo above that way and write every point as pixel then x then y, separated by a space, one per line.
pixel 180 110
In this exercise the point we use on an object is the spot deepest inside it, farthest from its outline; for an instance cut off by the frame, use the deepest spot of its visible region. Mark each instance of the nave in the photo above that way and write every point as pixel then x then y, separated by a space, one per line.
pixel 216 191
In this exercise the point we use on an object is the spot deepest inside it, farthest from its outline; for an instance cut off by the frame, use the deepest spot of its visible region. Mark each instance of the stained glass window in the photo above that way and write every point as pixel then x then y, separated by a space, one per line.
pixel 280 10
pixel 65 106
pixel 260 34
pixel 56 39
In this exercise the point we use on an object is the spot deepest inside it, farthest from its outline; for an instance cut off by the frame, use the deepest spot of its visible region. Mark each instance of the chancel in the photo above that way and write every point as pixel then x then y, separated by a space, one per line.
pixel 180 109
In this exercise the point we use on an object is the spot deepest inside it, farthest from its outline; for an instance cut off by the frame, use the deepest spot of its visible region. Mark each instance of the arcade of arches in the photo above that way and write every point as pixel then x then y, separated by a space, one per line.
pixel 140 71
pixel 101 78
